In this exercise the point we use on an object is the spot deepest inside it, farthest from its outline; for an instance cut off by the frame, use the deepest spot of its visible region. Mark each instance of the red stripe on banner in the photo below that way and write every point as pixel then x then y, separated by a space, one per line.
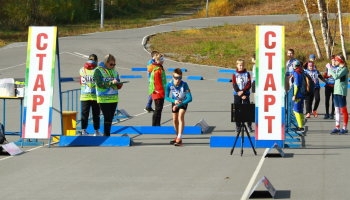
pixel 283 131
pixel 23 130
pixel 256 132
pixel 49 135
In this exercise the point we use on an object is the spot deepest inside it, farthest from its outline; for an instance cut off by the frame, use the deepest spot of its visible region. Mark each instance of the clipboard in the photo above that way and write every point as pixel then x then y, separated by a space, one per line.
pixel 122 82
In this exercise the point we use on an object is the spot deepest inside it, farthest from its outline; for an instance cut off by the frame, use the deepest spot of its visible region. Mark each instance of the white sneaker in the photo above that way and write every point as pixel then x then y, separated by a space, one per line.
pixel 84 133
pixel 97 133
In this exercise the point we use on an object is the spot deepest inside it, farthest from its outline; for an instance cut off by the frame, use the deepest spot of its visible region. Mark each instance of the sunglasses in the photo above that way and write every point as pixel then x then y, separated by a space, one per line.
pixel 111 64
pixel 177 77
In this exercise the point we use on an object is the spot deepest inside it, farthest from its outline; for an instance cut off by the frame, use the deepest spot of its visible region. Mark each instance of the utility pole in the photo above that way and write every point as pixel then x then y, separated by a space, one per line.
pixel 207 7
pixel 102 12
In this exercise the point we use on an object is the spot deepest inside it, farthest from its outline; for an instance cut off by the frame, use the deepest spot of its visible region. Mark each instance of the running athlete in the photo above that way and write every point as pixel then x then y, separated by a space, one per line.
pixel 340 93
pixel 241 83
pixel 88 96
pixel 329 89
pixel 298 98
pixel 181 96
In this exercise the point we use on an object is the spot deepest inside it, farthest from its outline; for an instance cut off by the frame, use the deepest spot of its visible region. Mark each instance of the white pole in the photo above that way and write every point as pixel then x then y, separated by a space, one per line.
pixel 102 12
pixel 207 7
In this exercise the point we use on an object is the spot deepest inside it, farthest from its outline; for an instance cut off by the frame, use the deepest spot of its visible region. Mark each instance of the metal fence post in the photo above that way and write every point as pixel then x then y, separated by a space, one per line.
pixel 102 12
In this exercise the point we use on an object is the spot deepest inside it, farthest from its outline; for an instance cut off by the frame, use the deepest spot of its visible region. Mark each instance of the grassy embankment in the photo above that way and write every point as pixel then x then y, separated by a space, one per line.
pixel 142 19
pixel 223 45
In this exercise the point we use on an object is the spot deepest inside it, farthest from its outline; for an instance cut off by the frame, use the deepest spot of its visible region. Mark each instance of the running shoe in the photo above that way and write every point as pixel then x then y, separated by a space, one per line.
pixel 250 129
pixel 326 116
pixel 300 129
pixel 344 132
pixel 335 131
pixel 84 133
pixel 178 142
pixel 148 109
pixel 315 113
pixel 331 116
pixel 97 133
pixel 308 115
pixel 173 141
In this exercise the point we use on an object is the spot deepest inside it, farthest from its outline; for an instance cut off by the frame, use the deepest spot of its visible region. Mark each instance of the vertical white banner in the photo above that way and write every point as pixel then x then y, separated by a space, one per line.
pixel 40 72
pixel 270 82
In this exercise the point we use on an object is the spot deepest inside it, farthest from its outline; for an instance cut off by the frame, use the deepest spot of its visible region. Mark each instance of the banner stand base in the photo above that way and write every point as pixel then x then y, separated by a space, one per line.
pixel 28 142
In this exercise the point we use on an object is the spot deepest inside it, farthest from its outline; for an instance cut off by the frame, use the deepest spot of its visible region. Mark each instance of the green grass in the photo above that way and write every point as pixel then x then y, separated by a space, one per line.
pixel 142 19
pixel 223 45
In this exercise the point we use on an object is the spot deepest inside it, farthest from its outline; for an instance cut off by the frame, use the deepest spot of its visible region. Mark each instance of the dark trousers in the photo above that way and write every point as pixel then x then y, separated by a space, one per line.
pixel 108 110
pixel 85 106
pixel 239 100
pixel 157 114
pixel 309 99
pixel 329 91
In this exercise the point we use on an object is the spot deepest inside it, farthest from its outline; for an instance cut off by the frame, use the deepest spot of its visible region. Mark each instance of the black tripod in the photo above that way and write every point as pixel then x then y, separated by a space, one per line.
pixel 241 129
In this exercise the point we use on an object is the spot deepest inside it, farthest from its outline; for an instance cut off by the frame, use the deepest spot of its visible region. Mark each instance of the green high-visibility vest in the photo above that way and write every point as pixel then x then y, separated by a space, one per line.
pixel 88 85
pixel 151 83
pixel 110 94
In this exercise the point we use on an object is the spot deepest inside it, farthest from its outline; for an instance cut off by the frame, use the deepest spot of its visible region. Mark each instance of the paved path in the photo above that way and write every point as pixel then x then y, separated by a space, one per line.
pixel 152 169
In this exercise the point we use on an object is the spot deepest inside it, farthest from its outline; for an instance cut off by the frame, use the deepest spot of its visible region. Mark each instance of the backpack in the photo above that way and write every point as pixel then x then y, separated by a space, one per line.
pixel 307 85
pixel 2 134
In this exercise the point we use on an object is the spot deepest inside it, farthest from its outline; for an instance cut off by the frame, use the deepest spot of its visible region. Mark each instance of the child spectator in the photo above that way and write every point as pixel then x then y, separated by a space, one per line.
pixel 241 83
pixel 329 88
pixel 157 87
pixel 149 103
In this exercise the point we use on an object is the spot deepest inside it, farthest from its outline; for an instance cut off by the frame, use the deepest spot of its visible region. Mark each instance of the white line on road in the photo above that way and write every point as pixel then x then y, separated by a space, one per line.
pixel 29 150
pixel 82 55
pixel 75 55
pixel 252 180
pixel 13 66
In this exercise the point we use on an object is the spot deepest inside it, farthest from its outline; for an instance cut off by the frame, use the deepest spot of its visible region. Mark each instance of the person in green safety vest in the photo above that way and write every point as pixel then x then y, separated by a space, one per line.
pixel 107 78
pixel 88 96
pixel 157 87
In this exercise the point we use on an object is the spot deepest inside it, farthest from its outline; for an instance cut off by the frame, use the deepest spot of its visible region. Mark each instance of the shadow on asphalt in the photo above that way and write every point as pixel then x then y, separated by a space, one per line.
pixel 210 130
pixel 280 194
pixel 277 155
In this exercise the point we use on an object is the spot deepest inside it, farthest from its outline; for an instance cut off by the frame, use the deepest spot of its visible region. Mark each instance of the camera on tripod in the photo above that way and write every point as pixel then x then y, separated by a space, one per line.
pixel 242 112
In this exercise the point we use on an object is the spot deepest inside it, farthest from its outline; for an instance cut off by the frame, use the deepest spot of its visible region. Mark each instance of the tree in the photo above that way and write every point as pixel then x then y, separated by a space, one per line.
pixel 341 29
pixel 312 32
pixel 324 26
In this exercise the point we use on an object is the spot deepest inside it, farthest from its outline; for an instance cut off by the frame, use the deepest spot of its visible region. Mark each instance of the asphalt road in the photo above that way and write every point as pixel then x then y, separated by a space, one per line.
pixel 152 169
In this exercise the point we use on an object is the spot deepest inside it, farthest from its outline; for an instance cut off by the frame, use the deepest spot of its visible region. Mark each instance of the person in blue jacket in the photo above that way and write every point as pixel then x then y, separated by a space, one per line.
pixel 181 96
pixel 298 98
